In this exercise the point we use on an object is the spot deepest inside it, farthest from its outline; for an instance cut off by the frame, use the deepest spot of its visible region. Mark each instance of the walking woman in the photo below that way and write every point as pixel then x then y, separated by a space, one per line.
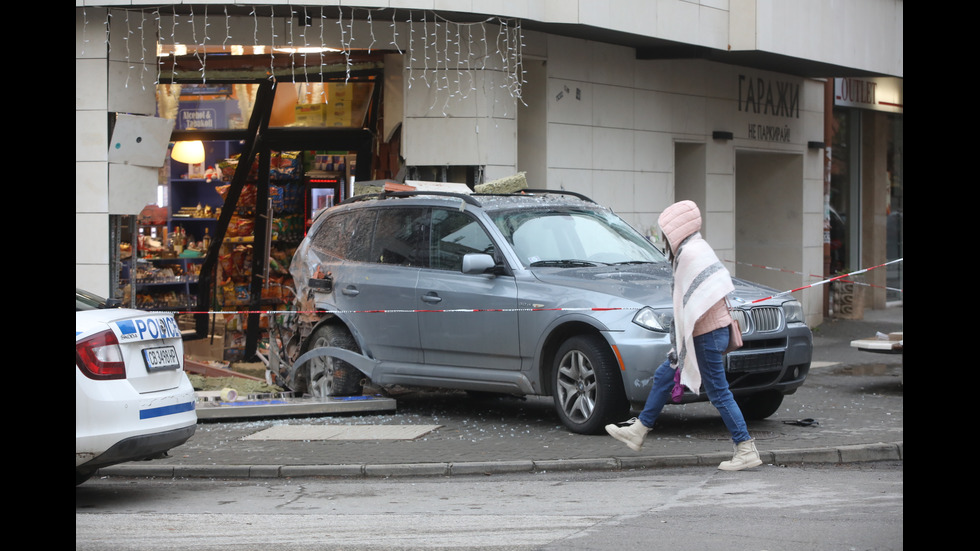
pixel 701 333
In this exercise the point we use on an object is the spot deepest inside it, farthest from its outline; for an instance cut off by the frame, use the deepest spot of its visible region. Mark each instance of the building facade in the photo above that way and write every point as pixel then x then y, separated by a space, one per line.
pixel 635 103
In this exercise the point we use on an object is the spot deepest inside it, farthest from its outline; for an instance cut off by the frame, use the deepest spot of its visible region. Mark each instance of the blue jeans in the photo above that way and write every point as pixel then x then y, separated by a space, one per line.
pixel 710 350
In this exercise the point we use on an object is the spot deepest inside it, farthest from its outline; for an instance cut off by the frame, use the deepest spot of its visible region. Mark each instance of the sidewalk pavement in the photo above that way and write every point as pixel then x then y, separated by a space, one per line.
pixel 853 398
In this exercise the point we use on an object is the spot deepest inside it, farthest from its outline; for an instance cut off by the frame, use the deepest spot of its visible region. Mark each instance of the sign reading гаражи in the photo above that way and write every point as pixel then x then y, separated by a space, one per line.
pixel 769 97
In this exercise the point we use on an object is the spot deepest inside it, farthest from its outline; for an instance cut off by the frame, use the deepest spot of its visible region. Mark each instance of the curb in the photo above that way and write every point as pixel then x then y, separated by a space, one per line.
pixel 860 453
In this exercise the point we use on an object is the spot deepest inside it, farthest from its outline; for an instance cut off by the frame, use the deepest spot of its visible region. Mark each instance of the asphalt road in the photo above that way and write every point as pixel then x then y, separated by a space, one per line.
pixel 776 508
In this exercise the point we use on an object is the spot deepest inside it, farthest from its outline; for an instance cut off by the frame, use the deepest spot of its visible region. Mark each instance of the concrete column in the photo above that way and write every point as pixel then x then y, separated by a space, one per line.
pixel 91 151
pixel 874 203
pixel 115 54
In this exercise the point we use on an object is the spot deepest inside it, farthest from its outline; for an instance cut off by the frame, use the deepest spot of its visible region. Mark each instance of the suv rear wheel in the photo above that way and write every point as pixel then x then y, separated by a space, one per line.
pixel 588 388
pixel 327 376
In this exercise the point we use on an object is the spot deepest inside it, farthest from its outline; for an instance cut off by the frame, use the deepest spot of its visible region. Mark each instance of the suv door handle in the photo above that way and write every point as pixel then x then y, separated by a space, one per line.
pixel 431 298
pixel 350 291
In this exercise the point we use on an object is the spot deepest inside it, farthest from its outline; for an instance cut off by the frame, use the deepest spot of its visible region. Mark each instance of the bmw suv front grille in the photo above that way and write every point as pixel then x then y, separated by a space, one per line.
pixel 764 319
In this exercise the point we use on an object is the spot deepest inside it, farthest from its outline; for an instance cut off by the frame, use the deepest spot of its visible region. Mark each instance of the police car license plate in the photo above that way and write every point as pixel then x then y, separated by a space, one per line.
pixel 161 358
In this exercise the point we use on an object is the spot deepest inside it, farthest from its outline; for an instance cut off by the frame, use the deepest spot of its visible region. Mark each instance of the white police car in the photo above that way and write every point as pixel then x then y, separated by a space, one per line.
pixel 133 400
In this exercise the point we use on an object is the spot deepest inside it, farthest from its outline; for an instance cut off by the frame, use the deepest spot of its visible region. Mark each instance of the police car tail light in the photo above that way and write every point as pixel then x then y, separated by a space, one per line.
pixel 99 357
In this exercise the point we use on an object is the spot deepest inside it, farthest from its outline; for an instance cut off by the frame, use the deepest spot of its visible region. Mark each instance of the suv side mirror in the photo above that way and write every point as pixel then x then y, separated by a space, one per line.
pixel 477 263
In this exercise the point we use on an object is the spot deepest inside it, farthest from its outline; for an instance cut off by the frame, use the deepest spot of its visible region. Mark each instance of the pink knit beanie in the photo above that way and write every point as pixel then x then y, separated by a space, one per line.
pixel 679 221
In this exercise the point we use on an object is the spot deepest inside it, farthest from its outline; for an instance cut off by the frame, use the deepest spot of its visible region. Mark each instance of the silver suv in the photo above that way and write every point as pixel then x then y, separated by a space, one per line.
pixel 540 293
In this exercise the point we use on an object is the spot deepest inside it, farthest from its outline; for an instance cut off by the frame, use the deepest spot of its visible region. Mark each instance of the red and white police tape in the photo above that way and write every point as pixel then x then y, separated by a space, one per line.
pixel 470 310
pixel 785 271
pixel 825 281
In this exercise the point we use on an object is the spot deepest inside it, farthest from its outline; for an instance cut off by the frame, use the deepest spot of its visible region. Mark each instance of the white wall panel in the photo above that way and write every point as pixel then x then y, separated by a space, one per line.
pixel 92 277
pixel 651 110
pixel 612 149
pixel 610 64
pixel 570 102
pixel 565 57
pixel 677 20
pixel 614 189
pixel 613 106
pixel 577 180
pixel 652 152
pixel 91 136
pixel 90 84
pixel 131 90
pixel 569 146
pixel 91 187
pixel 91 238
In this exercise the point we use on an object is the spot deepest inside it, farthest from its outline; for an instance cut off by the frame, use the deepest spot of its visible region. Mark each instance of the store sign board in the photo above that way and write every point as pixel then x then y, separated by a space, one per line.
pixel 206 90
pixel 140 140
pixel 877 94
pixel 209 115
pixel 199 118
pixel 768 108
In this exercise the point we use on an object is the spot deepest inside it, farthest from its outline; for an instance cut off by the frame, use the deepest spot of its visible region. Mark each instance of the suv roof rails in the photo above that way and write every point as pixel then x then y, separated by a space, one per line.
pixel 468 198
pixel 395 194
pixel 556 192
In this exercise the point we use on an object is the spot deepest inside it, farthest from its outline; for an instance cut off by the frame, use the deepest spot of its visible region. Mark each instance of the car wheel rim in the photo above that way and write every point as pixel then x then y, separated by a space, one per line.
pixel 321 372
pixel 576 386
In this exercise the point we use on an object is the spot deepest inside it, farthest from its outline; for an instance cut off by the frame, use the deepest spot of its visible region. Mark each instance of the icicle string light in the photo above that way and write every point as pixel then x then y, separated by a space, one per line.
pixel 438 51
pixel 425 50
pixel 394 32
pixel 289 45
pixel 142 39
pixel 459 57
pixel 204 44
pixel 255 27
pixel 173 38
pixel 411 51
pixel 306 46
pixel 85 28
pixel 272 46
pixel 347 49
pixel 343 38
pixel 323 89
pixel 126 37
pixel 370 24
pixel 108 25
pixel 156 14
pixel 224 43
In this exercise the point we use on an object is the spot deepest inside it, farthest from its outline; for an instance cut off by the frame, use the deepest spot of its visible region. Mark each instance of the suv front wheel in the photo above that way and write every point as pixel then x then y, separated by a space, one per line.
pixel 588 388
pixel 326 376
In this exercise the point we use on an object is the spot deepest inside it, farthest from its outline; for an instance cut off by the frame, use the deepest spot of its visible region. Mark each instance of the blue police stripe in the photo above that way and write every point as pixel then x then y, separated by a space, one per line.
pixel 126 327
pixel 166 410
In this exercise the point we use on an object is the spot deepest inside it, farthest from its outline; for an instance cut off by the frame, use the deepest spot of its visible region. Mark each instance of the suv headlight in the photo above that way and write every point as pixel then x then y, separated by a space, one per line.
pixel 793 311
pixel 654 320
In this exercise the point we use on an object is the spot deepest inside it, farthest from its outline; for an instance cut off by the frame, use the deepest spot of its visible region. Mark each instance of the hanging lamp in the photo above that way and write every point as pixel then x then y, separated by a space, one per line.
pixel 191 152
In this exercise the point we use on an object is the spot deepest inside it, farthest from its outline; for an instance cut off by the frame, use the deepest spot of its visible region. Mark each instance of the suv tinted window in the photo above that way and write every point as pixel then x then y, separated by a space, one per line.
pixel 345 235
pixel 378 235
pixel 399 237
pixel 455 234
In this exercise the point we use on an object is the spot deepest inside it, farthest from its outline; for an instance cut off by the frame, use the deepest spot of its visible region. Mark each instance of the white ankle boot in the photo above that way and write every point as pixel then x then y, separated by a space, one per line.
pixel 632 433
pixel 746 457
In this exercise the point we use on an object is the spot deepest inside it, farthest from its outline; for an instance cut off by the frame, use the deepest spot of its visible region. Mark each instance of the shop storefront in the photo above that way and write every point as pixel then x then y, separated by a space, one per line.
pixel 867 186
pixel 279 132
pixel 248 167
